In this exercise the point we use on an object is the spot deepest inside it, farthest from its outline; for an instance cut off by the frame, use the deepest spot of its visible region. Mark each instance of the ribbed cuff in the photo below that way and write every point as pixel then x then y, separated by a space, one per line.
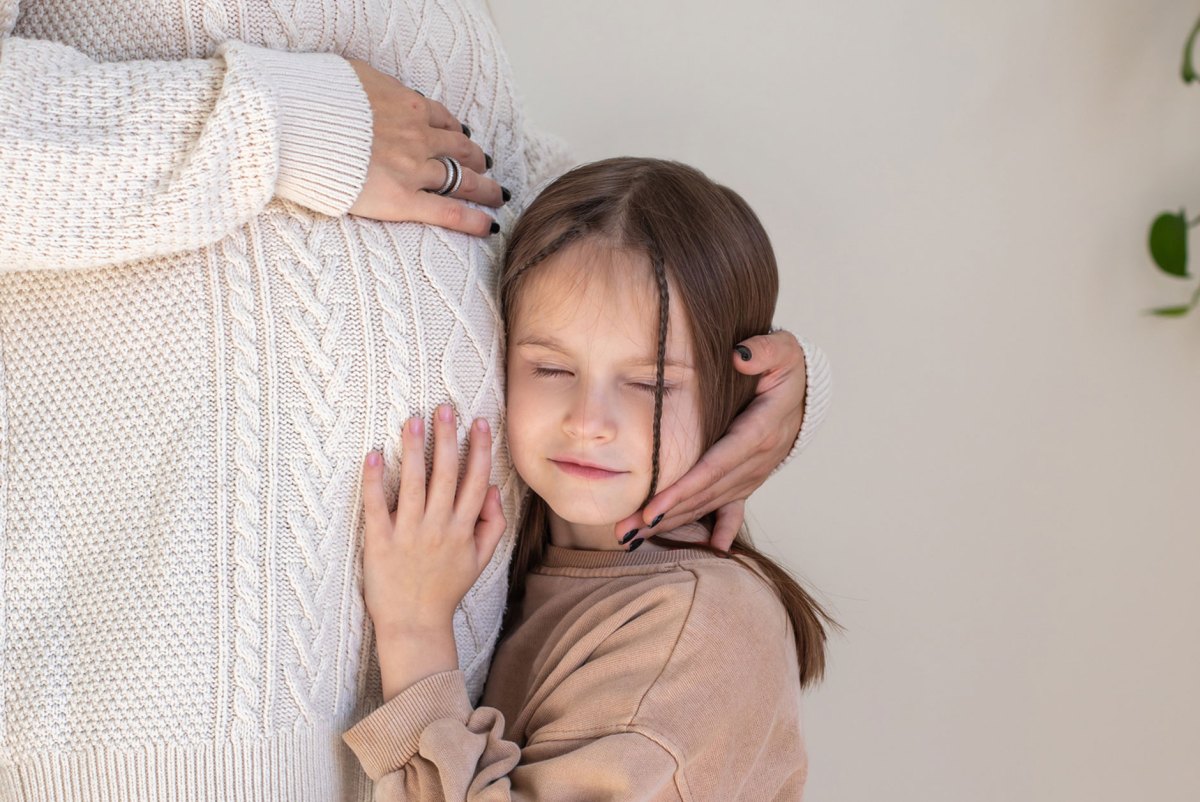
pixel 389 737
pixel 325 127
pixel 817 394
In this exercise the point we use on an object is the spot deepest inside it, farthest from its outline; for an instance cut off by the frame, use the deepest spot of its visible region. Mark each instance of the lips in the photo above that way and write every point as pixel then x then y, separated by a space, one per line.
pixel 586 470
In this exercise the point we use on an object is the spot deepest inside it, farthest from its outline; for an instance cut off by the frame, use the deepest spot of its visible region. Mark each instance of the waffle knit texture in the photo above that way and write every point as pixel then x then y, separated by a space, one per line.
pixel 660 675
pixel 198 349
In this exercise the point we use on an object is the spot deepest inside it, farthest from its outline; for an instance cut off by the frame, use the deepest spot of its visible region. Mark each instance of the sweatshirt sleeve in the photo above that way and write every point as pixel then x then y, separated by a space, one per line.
pixel 103 163
pixel 428 743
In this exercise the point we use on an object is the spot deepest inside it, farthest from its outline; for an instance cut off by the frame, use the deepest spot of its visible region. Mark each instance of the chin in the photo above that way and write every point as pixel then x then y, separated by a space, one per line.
pixel 585 514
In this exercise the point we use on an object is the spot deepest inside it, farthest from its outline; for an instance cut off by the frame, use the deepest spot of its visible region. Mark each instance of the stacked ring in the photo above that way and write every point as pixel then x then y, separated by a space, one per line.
pixel 453 176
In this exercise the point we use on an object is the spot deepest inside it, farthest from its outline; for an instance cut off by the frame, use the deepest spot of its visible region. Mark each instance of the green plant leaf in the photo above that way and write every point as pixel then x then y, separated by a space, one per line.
pixel 1171 311
pixel 1189 72
pixel 1168 243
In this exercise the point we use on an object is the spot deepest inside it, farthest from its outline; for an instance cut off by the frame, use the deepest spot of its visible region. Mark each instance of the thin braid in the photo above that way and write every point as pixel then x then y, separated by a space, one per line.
pixel 664 300
pixel 557 244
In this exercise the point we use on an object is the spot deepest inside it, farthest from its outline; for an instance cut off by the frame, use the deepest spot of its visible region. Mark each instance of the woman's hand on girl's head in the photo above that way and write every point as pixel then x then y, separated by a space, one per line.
pixel 737 464
pixel 420 561
pixel 410 132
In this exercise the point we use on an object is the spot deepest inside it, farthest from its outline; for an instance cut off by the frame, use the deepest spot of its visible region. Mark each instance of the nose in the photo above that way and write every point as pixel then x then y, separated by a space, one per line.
pixel 589 417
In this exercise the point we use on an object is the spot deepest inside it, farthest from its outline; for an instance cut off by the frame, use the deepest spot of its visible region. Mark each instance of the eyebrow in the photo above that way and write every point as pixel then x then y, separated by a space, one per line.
pixel 554 345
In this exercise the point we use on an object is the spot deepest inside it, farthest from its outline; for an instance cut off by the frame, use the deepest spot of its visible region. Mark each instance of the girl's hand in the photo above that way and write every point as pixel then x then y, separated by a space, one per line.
pixel 738 463
pixel 410 131
pixel 420 561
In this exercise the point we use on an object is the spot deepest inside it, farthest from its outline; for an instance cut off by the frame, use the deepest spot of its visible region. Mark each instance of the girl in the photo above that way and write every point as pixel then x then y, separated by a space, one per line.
pixel 651 668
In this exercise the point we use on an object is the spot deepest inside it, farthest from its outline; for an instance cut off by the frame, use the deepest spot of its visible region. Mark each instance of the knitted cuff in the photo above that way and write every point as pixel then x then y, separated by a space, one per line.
pixel 391 735
pixel 817 393
pixel 324 124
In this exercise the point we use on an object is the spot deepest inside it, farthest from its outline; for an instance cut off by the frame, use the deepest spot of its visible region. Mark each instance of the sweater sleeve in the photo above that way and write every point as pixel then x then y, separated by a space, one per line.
pixel 818 388
pixel 103 163
pixel 428 744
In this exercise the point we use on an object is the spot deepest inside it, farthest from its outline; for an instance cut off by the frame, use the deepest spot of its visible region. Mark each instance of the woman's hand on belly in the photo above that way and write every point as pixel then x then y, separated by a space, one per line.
pixel 410 132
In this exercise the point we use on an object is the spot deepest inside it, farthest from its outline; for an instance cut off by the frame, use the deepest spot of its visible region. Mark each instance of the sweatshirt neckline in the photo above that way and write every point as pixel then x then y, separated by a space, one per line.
pixel 559 557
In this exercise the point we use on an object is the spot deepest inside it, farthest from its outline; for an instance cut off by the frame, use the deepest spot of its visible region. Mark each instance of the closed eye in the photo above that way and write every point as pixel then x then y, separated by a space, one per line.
pixel 650 388
pixel 550 372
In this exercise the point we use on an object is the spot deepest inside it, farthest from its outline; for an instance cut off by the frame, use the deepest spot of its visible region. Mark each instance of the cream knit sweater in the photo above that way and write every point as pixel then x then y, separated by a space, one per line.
pixel 195 359
pixel 197 347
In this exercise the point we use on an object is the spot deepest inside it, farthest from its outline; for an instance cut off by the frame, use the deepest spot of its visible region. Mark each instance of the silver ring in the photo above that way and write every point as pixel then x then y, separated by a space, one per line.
pixel 454 173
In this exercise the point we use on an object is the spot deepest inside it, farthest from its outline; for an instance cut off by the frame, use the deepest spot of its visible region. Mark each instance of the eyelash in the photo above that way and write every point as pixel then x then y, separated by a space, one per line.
pixel 553 372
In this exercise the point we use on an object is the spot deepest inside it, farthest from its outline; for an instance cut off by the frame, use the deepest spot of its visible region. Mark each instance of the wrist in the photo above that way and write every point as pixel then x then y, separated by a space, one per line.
pixel 420 627
pixel 411 657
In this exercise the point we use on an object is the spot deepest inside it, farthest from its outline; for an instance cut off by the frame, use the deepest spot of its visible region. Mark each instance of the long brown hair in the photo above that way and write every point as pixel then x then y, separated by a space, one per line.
pixel 704 240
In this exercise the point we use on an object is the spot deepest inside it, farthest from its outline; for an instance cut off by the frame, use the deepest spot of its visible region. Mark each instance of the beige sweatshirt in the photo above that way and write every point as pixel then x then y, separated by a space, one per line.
pixel 662 675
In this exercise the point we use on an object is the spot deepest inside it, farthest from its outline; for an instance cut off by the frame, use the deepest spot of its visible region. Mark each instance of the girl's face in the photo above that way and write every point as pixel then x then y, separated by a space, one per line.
pixel 582 353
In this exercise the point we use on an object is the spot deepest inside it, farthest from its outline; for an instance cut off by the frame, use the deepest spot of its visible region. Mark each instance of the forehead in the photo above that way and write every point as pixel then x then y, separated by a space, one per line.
pixel 592 291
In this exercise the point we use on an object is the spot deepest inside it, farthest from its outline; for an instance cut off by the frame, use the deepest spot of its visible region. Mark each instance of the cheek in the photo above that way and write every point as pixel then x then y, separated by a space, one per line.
pixel 518 415
pixel 680 440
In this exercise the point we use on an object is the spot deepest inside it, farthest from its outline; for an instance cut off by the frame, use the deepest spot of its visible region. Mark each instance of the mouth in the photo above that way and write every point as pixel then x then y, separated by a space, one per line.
pixel 585 470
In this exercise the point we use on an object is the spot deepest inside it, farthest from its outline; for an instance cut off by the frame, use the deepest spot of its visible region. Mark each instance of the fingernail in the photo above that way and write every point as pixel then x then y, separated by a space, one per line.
pixel 416 425
pixel 445 413
pixel 495 227
pixel 504 193
pixel 487 160
pixel 636 543
pixel 744 353
pixel 466 130
pixel 657 519
pixel 372 458
pixel 628 536
pixel 481 424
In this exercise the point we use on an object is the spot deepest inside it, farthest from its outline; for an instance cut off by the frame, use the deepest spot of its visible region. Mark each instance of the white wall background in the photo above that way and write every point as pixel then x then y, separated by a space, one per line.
pixel 1003 509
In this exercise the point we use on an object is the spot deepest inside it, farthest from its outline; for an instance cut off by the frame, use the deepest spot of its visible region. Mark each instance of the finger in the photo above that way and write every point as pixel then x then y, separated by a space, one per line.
pixel 729 489
pixel 440 117
pixel 455 215
pixel 768 352
pixel 473 187
pixel 375 507
pixel 704 481
pixel 411 501
pixel 456 144
pixel 474 485
pixel 443 479
pixel 490 527
pixel 479 189
pixel 729 521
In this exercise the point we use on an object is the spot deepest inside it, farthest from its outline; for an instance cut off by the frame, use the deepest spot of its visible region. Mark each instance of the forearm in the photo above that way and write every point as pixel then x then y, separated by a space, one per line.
pixel 194 149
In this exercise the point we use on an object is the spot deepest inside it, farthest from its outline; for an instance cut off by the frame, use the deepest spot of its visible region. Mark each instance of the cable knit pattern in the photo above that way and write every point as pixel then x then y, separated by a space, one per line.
pixel 198 347
pixel 247 485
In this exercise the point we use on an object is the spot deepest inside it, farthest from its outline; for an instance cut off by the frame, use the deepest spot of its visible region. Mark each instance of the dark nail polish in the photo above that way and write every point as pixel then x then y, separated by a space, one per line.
pixel 656 521
pixel 637 543
pixel 628 536
pixel 487 160
pixel 495 227
pixel 744 353
pixel 466 130
pixel 504 193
